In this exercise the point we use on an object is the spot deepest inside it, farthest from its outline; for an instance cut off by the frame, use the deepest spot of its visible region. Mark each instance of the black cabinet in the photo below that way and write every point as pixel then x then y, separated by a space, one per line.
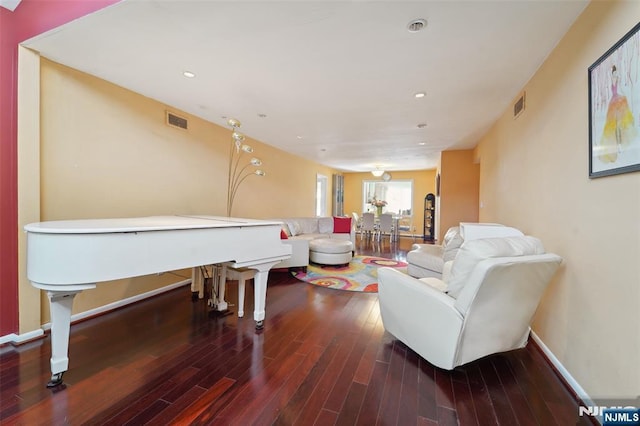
pixel 429 218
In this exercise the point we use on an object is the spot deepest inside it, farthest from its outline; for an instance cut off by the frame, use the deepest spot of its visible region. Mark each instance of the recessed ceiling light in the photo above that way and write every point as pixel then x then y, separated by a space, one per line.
pixel 262 115
pixel 422 143
pixel 416 25
pixel 299 137
pixel 420 95
pixel 188 74
pixel 422 125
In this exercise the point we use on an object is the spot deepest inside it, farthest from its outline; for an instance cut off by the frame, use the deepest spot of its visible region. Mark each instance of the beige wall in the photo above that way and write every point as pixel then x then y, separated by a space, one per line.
pixel 423 183
pixel 534 175
pixel 459 190
pixel 107 152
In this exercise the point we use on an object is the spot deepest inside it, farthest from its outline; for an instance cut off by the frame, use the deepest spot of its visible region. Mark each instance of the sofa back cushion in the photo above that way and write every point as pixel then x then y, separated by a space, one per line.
pixel 325 225
pixel 294 227
pixel 301 225
pixel 474 251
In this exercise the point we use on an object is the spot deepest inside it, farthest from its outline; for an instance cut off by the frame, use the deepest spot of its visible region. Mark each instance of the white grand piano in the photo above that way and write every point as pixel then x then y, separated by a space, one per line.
pixel 66 257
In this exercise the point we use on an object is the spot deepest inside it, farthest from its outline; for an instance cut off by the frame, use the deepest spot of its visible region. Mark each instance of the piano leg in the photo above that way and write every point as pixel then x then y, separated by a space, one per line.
pixel 260 297
pixel 260 291
pixel 221 304
pixel 197 284
pixel 60 304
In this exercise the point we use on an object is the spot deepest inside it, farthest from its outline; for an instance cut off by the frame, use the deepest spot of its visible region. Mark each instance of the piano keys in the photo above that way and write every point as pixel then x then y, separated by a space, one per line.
pixel 67 257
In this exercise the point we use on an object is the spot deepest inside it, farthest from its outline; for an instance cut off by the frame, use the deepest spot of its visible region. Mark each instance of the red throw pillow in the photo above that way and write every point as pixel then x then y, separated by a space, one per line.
pixel 283 235
pixel 341 225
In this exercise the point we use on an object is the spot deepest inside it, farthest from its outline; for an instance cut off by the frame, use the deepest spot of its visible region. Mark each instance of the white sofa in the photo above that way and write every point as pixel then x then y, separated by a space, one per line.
pixel 428 260
pixel 301 230
pixel 483 306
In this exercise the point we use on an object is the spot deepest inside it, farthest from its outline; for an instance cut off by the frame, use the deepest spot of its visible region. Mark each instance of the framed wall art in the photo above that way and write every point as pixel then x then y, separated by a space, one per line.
pixel 614 109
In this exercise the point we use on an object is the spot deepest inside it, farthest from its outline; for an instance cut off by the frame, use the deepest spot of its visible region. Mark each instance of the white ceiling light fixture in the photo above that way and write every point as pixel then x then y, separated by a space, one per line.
pixel 377 172
pixel 188 74
pixel 419 95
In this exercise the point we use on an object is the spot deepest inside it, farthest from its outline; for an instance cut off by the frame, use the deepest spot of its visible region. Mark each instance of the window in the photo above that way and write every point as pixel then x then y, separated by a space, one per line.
pixel 398 194
pixel 321 195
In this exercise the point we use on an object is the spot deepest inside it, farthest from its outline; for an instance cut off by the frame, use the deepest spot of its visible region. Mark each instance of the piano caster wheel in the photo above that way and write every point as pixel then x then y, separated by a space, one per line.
pixel 56 380
pixel 259 325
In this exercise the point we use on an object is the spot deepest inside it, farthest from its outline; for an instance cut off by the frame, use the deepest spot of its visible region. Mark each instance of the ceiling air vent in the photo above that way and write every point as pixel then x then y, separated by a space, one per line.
pixel 416 25
pixel 176 121
pixel 518 107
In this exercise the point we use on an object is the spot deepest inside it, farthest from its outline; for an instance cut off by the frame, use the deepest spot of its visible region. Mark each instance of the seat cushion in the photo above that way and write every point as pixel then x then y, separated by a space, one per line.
pixel 474 251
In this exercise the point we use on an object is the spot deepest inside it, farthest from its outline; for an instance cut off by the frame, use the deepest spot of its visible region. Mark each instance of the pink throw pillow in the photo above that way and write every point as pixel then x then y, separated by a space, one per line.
pixel 341 225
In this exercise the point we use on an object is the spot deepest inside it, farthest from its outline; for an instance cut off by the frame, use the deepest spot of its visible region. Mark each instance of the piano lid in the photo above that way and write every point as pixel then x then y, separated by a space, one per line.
pixel 141 224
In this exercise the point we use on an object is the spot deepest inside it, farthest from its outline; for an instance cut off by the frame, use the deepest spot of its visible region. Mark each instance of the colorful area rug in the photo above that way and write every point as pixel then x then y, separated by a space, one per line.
pixel 360 275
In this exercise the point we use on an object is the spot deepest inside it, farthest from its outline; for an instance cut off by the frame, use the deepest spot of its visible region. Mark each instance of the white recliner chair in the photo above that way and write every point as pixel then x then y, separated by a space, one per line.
pixel 428 260
pixel 484 305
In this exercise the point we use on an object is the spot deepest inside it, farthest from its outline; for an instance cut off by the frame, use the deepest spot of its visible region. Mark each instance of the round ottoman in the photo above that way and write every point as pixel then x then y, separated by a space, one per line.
pixel 327 251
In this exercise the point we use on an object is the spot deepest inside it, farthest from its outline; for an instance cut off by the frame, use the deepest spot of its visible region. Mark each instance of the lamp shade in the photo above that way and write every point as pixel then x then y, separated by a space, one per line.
pixel 377 173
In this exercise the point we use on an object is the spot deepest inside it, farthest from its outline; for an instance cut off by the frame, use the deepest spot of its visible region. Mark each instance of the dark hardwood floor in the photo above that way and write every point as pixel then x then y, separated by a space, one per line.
pixel 323 358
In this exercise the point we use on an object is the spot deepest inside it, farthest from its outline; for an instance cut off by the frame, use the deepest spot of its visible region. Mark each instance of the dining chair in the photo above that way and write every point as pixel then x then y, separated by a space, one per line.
pixel 368 225
pixel 385 227
pixel 357 222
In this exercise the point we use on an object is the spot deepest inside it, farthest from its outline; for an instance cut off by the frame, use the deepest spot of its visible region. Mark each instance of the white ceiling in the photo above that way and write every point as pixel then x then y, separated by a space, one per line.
pixel 336 79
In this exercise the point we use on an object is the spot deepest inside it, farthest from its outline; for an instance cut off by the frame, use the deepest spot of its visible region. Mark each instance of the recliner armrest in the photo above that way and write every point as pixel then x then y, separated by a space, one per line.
pixel 435 283
pixel 429 249
pixel 392 279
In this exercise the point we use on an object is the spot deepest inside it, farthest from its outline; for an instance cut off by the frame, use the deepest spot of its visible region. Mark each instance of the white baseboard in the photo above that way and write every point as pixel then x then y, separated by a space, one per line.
pixel 21 338
pixel 573 383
